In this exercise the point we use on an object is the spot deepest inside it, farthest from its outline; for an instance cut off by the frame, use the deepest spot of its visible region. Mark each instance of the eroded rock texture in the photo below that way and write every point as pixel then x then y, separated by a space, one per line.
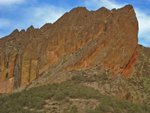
pixel 79 40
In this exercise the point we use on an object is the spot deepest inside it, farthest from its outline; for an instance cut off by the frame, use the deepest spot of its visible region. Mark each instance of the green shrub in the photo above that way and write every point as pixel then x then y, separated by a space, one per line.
pixel 35 98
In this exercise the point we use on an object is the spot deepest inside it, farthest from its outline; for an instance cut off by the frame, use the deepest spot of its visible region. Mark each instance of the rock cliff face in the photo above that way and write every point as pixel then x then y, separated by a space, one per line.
pixel 80 39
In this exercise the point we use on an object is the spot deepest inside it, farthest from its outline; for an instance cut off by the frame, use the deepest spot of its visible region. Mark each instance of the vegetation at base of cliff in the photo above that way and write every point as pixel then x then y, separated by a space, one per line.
pixel 66 97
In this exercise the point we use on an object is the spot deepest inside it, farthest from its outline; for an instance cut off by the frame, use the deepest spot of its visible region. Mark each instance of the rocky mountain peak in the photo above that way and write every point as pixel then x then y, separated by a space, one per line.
pixel 31 28
pixel 103 9
pixel 79 40
pixel 79 10
pixel 128 7
pixel 16 31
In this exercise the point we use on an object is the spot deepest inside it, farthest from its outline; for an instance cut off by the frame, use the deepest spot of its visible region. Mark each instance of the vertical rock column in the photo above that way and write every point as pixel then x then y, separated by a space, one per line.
pixel 17 71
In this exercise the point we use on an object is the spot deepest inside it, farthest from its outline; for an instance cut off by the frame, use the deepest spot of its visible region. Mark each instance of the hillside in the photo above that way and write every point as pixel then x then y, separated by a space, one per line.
pixel 85 62
pixel 67 97
pixel 80 39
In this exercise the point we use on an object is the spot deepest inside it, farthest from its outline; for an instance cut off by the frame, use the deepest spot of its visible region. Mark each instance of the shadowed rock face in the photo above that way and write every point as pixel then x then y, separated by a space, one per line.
pixel 80 39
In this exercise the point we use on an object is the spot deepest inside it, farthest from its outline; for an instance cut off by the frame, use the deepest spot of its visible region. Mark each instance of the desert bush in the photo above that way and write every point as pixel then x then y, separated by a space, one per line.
pixel 35 98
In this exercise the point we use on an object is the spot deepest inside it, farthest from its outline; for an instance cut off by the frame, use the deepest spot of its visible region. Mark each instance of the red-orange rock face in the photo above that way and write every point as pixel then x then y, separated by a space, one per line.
pixel 79 39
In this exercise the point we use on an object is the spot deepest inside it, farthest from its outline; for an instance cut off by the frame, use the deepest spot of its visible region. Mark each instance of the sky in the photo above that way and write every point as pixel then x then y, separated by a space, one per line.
pixel 20 14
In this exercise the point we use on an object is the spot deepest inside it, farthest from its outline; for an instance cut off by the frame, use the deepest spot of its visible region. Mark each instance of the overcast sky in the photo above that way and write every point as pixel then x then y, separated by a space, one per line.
pixel 23 13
